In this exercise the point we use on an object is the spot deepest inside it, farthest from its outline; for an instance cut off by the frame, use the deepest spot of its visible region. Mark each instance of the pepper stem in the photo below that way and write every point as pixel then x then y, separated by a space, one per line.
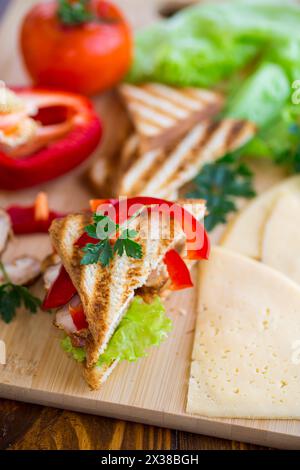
pixel 74 12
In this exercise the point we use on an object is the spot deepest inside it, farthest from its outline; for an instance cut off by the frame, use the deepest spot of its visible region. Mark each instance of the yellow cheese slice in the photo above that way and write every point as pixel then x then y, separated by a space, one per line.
pixel 246 356
pixel 245 233
pixel 281 238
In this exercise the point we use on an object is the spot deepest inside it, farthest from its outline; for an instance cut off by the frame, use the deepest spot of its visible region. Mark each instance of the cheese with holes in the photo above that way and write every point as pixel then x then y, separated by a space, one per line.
pixel 246 356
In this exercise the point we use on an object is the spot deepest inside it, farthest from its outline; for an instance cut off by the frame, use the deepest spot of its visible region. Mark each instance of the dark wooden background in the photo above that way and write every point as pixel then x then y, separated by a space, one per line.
pixel 24 426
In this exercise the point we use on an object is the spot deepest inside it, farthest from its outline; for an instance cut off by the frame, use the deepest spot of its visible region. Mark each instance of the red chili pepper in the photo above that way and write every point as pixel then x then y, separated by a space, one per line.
pixel 61 291
pixel 70 132
pixel 78 316
pixel 178 271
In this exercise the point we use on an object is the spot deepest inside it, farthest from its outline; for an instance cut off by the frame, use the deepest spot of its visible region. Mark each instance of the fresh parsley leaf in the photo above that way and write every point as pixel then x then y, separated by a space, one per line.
pixel 127 245
pixel 91 230
pixel 220 183
pixel 101 252
pixel 12 297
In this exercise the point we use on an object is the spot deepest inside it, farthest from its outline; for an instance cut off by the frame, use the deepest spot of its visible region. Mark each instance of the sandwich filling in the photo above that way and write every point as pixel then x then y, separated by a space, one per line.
pixel 143 325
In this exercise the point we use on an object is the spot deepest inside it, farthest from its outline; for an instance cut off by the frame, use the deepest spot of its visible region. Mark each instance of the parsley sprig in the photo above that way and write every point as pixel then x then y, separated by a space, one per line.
pixel 103 251
pixel 220 184
pixel 13 296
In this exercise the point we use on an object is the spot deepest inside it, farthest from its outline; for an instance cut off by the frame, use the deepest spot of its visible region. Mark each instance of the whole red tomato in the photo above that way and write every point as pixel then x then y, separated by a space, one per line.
pixel 83 46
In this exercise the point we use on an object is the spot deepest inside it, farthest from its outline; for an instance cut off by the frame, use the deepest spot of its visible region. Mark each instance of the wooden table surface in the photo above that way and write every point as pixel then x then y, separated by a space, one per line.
pixel 24 426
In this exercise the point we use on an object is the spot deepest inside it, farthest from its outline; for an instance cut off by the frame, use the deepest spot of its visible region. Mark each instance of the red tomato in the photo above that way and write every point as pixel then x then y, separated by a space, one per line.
pixel 86 58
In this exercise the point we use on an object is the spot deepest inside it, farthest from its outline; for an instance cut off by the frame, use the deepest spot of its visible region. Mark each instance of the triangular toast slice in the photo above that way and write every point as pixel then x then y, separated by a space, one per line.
pixel 106 293
pixel 163 114
pixel 163 172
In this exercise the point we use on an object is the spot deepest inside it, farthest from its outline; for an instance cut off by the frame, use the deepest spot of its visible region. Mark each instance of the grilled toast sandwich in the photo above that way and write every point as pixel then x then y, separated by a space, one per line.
pixel 106 293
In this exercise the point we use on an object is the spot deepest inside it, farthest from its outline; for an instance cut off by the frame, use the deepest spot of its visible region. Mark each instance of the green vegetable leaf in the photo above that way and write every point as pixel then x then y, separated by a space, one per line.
pixel 220 183
pixel 91 230
pixel 103 228
pixel 12 297
pixel 211 43
pixel 144 325
pixel 101 252
pixel 130 247
pixel 262 96
pixel 280 141
pixel 77 353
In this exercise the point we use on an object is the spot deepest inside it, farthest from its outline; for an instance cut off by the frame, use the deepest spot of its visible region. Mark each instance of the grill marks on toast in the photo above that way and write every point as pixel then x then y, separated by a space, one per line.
pixel 161 113
pixel 161 172
pixel 106 292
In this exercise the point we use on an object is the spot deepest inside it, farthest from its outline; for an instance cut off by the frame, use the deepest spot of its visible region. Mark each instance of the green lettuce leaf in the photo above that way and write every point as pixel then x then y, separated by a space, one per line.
pixel 262 96
pixel 77 353
pixel 206 44
pixel 144 325
pixel 280 141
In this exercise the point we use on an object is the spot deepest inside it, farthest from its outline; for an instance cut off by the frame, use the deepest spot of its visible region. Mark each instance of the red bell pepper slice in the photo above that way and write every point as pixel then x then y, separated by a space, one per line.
pixel 95 203
pixel 197 240
pixel 61 291
pixel 78 316
pixel 198 245
pixel 59 146
pixel 32 219
pixel 178 271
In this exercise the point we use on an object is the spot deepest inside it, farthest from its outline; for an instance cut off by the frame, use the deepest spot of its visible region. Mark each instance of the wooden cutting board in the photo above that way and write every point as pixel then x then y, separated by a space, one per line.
pixel 152 391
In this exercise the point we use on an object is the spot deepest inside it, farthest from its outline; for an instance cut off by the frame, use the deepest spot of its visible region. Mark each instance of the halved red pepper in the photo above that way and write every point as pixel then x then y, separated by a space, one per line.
pixel 61 291
pixel 178 271
pixel 70 132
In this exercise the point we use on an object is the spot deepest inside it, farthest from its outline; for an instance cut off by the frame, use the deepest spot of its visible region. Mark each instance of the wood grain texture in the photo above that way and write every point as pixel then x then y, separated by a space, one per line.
pixel 37 371
pixel 24 427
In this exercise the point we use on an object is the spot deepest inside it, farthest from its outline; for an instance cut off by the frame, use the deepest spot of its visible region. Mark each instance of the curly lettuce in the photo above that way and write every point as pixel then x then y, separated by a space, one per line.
pixel 206 44
pixel 262 96
pixel 144 325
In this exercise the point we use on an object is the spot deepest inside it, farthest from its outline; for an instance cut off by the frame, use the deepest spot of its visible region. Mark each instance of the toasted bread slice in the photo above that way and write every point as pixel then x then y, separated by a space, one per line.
pixel 97 375
pixel 162 172
pixel 163 114
pixel 107 292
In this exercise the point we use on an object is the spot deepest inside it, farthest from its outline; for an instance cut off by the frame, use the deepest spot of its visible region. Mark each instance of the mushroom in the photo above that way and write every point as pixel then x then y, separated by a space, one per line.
pixel 5 229
pixel 22 271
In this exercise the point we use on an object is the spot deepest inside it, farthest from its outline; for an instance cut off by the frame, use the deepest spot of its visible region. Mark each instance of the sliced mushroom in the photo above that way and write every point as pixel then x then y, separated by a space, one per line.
pixel 5 229
pixel 22 271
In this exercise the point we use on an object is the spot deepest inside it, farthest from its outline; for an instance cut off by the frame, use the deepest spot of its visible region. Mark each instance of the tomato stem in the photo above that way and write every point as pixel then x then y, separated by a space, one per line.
pixel 74 12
